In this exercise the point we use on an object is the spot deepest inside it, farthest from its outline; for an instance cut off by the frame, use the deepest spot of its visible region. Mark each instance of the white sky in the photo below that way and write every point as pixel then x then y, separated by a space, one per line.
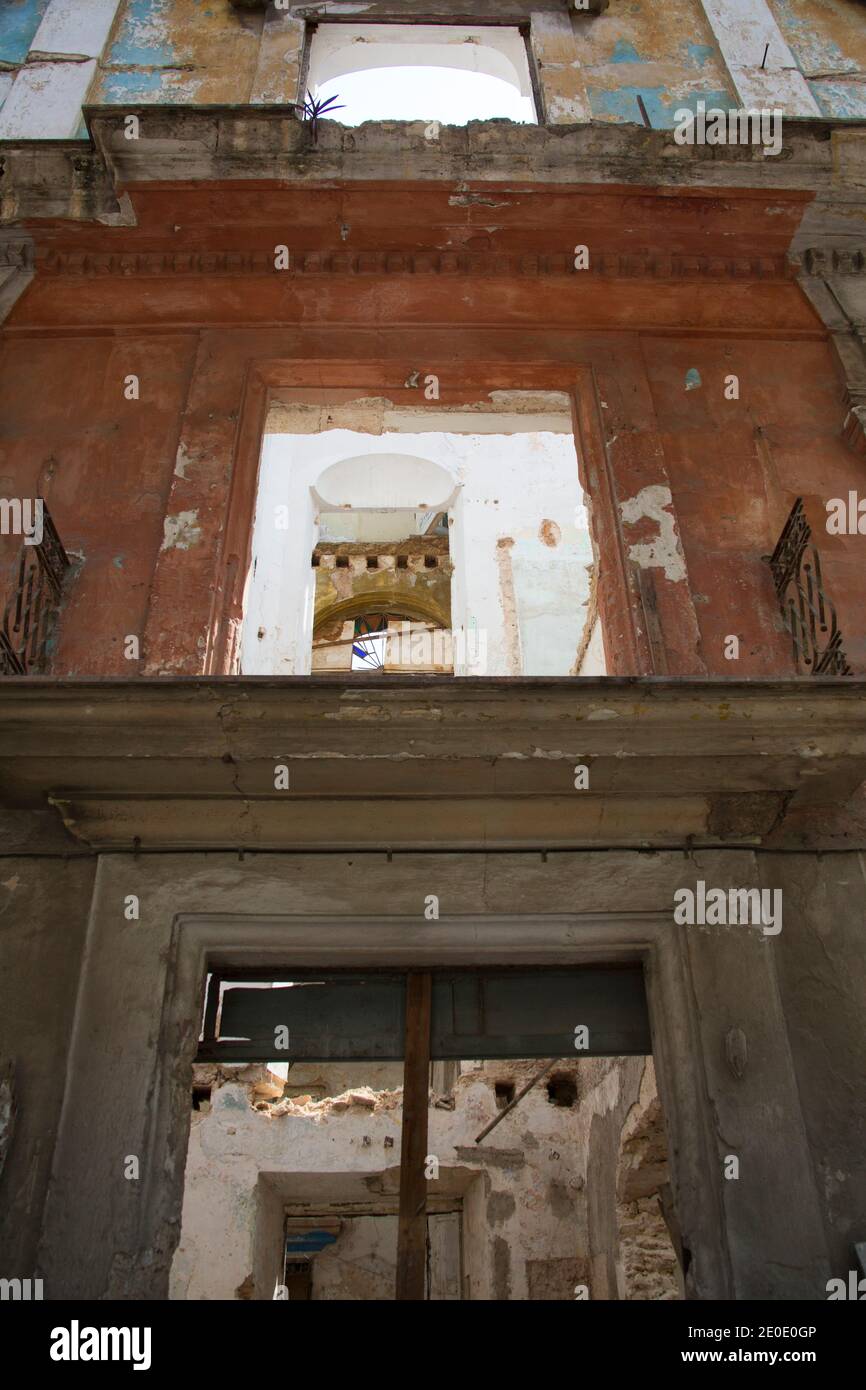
pixel 449 95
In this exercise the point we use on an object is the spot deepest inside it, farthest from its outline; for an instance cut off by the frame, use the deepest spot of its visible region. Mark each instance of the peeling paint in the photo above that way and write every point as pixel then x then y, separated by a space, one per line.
pixel 181 531
pixel 625 53
pixel 19 20
pixel 651 504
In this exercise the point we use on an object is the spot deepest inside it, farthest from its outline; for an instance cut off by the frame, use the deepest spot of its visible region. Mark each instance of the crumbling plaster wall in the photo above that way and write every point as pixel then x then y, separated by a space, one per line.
pixel 734 469
pixel 530 1173
pixel 590 66
pixel 631 1250
pixel 648 1265
pixel 568 1196
pixel 52 75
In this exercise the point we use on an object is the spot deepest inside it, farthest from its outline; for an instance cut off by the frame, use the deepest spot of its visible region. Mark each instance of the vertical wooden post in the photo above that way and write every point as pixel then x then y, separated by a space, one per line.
pixel 412 1228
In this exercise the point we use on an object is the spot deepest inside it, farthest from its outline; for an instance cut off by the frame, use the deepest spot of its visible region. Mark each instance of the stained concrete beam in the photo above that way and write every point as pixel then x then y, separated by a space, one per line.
pixel 178 142
pixel 432 761
pixel 48 179
pixel 825 158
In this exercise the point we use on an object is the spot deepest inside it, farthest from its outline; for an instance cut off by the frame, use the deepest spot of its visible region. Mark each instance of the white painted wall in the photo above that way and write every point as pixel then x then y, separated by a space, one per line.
pixel 533 1203
pixel 593 658
pixel 742 29
pixel 519 538
pixel 48 92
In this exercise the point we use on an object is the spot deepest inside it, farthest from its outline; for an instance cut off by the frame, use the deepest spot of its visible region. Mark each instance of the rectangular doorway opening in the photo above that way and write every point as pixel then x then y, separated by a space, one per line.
pixel 424 540
pixel 436 1135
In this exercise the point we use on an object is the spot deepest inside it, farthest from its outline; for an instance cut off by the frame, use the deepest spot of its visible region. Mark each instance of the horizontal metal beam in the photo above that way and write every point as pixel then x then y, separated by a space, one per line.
pixel 585 1011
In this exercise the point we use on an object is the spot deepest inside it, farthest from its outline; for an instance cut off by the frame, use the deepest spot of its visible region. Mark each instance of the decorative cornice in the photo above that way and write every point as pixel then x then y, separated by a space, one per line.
pixel 834 260
pixel 16 253
pixel 441 263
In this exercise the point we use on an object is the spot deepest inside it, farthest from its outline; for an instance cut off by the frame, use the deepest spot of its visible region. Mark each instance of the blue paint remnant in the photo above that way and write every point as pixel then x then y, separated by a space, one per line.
pixel 625 53
pixel 139 39
pixel 661 105
pixel 700 53
pixel 120 87
pixel 817 52
pixel 621 104
pixel 308 1242
pixel 840 99
pixel 693 379
pixel 19 20
pixel 713 101
pixel 118 562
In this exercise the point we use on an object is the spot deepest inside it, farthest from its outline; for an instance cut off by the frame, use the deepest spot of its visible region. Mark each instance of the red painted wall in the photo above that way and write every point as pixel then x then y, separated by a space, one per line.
pixel 107 465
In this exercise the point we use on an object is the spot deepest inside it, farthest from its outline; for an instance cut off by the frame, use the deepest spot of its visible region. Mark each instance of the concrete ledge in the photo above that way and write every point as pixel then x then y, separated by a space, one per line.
pixel 80 181
pixel 434 763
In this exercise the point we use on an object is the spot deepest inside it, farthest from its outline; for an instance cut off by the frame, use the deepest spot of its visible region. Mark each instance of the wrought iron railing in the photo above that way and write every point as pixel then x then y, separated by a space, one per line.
pixel 808 613
pixel 31 609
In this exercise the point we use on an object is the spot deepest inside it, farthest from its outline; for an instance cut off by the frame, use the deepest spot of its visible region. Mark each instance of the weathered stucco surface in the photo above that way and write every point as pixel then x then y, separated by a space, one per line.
pixel 594 66
pixel 528 1178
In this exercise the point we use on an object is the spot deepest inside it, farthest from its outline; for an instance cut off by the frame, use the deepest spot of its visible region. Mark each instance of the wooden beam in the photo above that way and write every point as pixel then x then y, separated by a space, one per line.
pixel 412 1226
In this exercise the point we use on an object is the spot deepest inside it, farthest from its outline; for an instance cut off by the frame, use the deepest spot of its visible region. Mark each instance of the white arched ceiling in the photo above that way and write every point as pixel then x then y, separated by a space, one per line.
pixel 497 51
pixel 378 480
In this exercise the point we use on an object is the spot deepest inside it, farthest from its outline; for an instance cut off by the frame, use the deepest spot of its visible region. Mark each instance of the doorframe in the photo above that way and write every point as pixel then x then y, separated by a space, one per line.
pixel 201 940
pixel 627 647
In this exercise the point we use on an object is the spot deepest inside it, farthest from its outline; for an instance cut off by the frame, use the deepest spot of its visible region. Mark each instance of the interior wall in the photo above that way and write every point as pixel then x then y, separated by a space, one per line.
pixel 533 1177
pixel 519 542
pixel 361 1264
